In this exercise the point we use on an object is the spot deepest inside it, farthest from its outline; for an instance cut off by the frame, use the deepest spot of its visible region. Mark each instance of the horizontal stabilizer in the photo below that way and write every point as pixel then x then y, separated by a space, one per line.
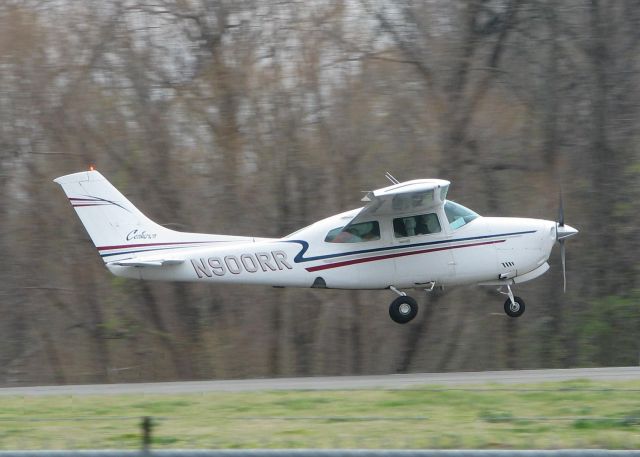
pixel 147 263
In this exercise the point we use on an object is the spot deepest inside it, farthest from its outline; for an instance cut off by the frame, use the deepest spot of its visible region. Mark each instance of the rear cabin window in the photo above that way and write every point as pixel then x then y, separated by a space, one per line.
pixel 356 233
pixel 423 224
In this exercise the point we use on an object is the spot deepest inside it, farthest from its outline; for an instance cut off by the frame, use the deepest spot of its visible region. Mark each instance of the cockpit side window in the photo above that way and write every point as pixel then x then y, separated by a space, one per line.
pixel 458 215
pixel 356 233
pixel 422 224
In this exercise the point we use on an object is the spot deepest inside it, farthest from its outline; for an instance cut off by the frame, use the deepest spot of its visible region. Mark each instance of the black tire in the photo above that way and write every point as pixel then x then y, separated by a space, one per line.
pixel 514 311
pixel 403 309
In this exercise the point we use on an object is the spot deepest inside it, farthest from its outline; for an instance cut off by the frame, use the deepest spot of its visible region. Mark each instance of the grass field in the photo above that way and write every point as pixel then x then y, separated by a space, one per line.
pixel 577 414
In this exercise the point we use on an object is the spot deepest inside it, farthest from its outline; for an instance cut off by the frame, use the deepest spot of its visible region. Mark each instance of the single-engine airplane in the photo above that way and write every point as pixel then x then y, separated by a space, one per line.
pixel 406 236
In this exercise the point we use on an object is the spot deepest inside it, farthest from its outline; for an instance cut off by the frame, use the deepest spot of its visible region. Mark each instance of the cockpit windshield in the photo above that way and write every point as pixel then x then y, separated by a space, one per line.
pixel 458 215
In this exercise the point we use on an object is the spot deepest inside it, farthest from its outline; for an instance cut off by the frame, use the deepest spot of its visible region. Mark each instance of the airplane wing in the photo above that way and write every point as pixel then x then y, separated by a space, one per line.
pixel 407 197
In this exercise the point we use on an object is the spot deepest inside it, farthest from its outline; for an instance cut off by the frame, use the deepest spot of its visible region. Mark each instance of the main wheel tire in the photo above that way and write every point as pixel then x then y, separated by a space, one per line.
pixel 403 309
pixel 514 309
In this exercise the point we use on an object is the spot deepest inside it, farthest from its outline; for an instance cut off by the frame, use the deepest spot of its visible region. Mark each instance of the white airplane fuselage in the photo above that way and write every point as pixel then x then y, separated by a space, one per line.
pixel 485 250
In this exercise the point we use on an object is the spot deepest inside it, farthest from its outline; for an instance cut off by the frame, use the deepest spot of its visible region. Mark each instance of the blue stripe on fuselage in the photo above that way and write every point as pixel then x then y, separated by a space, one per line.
pixel 305 246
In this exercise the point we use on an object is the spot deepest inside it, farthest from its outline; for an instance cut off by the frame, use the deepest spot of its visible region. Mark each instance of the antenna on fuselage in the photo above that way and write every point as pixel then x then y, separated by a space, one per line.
pixel 390 177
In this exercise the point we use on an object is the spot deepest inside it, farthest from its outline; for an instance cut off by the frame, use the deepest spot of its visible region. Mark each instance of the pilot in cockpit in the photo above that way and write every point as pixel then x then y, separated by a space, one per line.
pixel 427 223
pixel 423 224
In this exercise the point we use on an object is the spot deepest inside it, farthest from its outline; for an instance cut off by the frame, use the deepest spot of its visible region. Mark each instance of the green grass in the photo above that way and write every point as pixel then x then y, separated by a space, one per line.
pixel 576 414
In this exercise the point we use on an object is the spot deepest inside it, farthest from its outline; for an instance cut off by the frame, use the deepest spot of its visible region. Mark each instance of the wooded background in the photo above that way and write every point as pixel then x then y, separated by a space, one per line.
pixel 258 117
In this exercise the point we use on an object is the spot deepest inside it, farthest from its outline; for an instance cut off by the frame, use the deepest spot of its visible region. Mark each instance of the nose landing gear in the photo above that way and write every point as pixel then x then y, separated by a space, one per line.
pixel 403 309
pixel 514 306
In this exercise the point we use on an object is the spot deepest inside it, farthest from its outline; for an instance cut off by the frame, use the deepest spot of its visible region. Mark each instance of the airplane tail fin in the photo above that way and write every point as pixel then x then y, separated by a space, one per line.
pixel 116 227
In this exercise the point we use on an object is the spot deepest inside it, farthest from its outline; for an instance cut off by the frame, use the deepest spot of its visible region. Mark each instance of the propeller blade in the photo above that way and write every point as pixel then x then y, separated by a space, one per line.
pixel 561 211
pixel 564 268
pixel 562 233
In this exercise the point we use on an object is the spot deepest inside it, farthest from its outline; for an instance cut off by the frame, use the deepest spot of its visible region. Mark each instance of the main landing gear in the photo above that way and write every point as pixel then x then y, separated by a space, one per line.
pixel 514 306
pixel 403 309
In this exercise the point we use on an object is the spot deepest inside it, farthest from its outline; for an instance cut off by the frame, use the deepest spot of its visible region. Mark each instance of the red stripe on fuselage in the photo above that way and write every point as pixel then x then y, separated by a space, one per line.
pixel 396 254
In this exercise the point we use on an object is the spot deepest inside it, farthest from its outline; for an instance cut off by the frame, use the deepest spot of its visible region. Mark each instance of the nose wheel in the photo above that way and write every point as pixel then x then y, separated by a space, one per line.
pixel 514 306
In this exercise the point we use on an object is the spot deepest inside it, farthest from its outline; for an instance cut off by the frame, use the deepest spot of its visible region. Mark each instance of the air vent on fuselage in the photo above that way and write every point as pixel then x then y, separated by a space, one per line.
pixel 508 264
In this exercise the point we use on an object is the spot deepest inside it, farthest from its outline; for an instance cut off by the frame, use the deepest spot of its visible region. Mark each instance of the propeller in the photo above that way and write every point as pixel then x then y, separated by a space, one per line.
pixel 562 233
